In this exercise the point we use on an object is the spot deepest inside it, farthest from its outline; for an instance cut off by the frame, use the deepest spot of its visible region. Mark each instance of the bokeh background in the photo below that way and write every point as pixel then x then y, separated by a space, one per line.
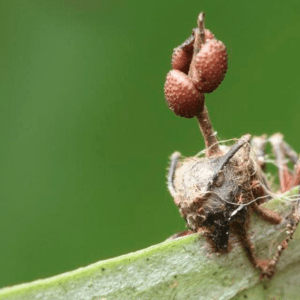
pixel 86 134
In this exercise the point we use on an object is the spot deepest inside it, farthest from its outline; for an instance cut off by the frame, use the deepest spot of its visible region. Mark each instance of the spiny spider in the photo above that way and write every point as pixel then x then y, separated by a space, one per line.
pixel 216 194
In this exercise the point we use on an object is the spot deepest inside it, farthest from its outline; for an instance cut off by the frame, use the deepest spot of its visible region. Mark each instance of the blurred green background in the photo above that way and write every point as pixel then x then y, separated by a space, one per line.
pixel 85 131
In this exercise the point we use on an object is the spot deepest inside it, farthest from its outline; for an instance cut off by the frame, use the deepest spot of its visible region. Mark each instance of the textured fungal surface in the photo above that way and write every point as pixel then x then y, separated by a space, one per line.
pixel 181 59
pixel 199 66
pixel 208 34
pixel 211 64
pixel 182 55
pixel 181 95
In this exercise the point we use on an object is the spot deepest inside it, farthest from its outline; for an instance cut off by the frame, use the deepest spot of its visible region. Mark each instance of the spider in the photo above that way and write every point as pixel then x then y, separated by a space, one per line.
pixel 216 194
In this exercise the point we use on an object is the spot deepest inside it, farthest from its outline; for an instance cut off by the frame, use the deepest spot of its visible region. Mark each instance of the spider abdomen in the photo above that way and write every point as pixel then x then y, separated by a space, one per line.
pixel 202 204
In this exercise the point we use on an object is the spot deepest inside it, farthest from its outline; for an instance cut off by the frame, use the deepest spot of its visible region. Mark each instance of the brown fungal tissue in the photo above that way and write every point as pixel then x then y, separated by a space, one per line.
pixel 211 66
pixel 184 99
pixel 217 193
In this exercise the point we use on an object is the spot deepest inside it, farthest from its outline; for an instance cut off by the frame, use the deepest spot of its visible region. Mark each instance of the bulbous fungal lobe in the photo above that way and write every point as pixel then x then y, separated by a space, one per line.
pixel 211 65
pixel 208 34
pixel 183 54
pixel 181 59
pixel 199 66
pixel 182 96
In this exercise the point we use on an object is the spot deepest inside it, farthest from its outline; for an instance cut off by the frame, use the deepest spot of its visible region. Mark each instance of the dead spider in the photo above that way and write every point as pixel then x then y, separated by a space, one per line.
pixel 216 194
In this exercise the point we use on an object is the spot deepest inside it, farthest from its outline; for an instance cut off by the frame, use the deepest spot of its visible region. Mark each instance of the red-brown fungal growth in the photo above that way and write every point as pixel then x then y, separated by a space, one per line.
pixel 211 66
pixel 181 59
pixel 183 54
pixel 208 34
pixel 182 96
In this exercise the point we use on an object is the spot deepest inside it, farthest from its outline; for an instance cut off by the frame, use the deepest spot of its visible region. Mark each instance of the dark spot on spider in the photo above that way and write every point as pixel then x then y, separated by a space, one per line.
pixel 245 296
pixel 102 269
pixel 175 276
pixel 148 259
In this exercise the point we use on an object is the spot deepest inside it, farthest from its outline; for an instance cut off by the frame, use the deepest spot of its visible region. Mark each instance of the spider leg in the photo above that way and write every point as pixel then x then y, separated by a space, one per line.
pixel 268 268
pixel 294 157
pixel 170 182
pixel 290 152
pixel 170 179
pixel 281 149
pixel 296 175
pixel 259 191
pixel 267 214
pixel 241 229
pixel 258 144
pixel 285 177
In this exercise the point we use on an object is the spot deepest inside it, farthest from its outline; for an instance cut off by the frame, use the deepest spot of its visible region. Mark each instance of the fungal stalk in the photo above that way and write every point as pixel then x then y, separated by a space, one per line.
pixel 199 66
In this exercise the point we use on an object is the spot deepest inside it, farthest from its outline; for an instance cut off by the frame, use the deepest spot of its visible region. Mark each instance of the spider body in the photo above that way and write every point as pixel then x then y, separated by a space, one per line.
pixel 205 203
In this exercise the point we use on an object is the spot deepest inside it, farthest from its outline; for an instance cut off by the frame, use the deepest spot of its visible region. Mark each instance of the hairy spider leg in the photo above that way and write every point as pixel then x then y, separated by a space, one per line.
pixel 170 179
pixel 287 180
pixel 241 230
pixel 258 144
pixel 294 157
pixel 240 226
pixel 267 214
pixel 285 177
pixel 294 217
pixel 170 183
pixel 281 150
pixel 268 267
pixel 290 152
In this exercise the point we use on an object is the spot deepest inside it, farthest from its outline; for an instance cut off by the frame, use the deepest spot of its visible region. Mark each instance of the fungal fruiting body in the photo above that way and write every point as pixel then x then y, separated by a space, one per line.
pixel 199 66
pixel 184 99
pixel 217 193
pixel 210 66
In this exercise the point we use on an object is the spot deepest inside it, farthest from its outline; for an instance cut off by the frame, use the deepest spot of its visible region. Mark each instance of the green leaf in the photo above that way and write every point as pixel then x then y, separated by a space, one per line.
pixel 183 268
